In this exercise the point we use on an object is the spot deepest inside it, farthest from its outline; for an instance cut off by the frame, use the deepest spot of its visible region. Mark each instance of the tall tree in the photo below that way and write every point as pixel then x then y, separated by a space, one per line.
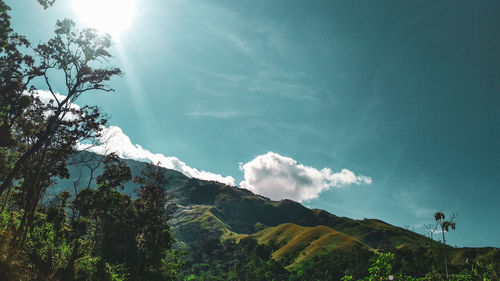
pixel 73 54
pixel 154 237
pixel 106 219
pixel 40 136
pixel 445 227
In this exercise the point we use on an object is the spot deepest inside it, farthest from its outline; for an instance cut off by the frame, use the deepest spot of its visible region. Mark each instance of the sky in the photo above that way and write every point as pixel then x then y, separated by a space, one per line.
pixel 366 109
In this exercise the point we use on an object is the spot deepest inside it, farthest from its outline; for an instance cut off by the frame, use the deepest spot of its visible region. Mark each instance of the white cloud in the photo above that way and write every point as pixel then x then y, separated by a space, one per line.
pixel 271 174
pixel 279 177
pixel 46 96
pixel 114 140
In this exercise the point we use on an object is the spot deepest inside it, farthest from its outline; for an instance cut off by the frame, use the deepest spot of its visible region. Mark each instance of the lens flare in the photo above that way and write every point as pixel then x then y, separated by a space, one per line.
pixel 108 16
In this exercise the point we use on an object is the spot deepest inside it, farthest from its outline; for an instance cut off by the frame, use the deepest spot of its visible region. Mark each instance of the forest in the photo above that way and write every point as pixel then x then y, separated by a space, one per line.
pixel 96 231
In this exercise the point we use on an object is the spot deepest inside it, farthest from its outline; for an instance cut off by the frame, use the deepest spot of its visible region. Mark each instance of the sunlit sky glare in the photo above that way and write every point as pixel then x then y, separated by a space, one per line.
pixel 404 92
pixel 108 16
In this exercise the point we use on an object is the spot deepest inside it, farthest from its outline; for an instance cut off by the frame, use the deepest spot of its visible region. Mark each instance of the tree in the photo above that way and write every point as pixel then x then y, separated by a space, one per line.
pixel 4 24
pixel 72 53
pixel 46 3
pixel 104 228
pixel 445 227
pixel 109 236
pixel 38 137
pixel 154 237
pixel 431 229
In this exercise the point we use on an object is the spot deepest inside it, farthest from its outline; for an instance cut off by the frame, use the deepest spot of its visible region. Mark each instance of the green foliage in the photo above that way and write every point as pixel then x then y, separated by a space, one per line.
pixel 333 266
pixel 211 259
pixel 171 264
pixel 382 269
pixel 153 231
pixel 44 253
pixel 109 236
pixel 480 271
pixel 50 249
pixel 46 3
pixel 4 24
pixel 86 268
pixel 117 272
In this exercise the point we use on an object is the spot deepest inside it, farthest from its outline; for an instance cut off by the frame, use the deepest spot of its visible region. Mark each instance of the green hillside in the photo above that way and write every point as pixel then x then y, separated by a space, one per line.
pixel 192 222
pixel 242 210
pixel 299 243
pixel 296 234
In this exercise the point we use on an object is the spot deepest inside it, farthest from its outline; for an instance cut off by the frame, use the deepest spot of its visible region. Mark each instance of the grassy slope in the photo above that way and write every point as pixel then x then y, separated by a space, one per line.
pixel 240 210
pixel 461 255
pixel 193 221
pixel 303 243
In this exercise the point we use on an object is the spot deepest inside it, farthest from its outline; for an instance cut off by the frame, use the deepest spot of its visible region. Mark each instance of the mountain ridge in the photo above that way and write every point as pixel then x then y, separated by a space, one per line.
pixel 208 208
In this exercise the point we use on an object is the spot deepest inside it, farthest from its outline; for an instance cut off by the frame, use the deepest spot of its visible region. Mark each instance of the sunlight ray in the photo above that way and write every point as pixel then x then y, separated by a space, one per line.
pixel 137 94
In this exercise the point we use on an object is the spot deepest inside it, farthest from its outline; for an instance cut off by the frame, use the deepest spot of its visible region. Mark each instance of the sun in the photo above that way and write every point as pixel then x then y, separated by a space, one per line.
pixel 108 16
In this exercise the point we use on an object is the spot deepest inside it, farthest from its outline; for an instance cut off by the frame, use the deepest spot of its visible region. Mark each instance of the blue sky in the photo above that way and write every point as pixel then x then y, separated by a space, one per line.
pixel 406 93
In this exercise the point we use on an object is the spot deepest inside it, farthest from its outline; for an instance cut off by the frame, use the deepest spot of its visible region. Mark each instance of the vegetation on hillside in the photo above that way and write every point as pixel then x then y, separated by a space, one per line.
pixel 298 243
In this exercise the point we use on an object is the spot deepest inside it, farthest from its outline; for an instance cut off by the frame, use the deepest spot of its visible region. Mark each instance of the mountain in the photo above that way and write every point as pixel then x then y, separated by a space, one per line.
pixel 207 208
pixel 241 210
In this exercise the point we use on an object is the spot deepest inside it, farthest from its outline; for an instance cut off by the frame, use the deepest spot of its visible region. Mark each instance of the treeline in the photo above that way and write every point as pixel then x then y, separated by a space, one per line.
pixel 212 259
pixel 102 234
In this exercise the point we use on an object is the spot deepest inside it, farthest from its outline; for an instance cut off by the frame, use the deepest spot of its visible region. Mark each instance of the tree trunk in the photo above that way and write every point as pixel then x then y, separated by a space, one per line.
pixel 444 251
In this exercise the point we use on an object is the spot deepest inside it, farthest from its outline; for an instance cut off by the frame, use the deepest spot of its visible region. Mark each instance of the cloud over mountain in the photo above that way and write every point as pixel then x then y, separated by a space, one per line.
pixel 114 140
pixel 279 177
pixel 271 174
